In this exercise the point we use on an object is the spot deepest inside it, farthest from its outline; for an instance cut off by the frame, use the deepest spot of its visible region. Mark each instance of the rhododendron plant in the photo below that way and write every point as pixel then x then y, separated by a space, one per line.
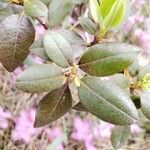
pixel 71 69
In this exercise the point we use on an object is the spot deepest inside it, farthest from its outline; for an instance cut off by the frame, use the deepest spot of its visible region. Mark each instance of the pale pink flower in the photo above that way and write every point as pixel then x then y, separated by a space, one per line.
pixel 39 31
pixel 37 59
pixel 54 133
pixel 24 130
pixel 14 75
pixel 132 20
pixel 143 37
pixel 139 3
pixel 135 129
pixel 89 145
pixel 103 130
pixel 4 116
pixel 83 132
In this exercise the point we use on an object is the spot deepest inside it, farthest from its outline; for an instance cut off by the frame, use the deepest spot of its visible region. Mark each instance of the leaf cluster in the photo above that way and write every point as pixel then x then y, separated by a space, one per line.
pixel 71 74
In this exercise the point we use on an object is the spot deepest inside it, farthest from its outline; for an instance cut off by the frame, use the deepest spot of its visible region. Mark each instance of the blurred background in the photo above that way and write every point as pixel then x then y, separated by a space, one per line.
pixel 77 130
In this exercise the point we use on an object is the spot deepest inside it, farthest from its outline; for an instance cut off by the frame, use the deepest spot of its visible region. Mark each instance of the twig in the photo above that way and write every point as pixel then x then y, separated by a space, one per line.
pixel 42 23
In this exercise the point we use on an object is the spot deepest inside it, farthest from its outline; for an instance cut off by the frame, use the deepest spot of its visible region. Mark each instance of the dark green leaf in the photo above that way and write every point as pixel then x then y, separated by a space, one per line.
pixel 9 9
pixel 58 10
pixel 119 136
pixel 58 48
pixel 136 100
pixel 79 107
pixel 16 36
pixel 87 25
pixel 37 48
pixel 108 58
pixel 53 106
pixel 107 101
pixel 145 103
pixel 77 43
pixel 36 8
pixel 41 78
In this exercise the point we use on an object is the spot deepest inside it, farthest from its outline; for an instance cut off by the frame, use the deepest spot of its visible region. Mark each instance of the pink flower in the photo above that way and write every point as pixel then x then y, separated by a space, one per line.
pixel 4 116
pixel 89 145
pixel 24 130
pixel 39 31
pixel 132 20
pixel 54 133
pixel 14 75
pixel 83 132
pixel 143 38
pixel 36 59
pixel 103 130
pixel 139 3
pixel 135 129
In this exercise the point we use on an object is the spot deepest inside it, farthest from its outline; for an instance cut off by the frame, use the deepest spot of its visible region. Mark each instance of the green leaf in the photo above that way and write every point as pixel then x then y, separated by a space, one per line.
pixel 72 37
pixel 9 9
pixel 16 36
pixel 145 103
pixel 143 71
pixel 79 107
pixel 119 136
pixel 29 61
pixel 36 8
pixel 107 101
pixel 121 80
pixel 108 58
pixel 41 78
pixel 95 10
pixel 146 82
pixel 134 68
pixel 58 48
pixel 74 92
pixel 58 10
pixel 136 100
pixel 37 48
pixel 105 7
pixel 87 25
pixel 116 14
pixel 77 43
pixel 53 106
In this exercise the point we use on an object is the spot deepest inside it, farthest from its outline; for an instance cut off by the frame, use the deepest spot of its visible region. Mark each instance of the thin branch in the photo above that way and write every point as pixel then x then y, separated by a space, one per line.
pixel 41 22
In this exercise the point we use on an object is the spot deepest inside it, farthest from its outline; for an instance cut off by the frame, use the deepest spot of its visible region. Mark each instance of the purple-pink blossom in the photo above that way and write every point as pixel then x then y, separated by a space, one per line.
pixel 24 130
pixel 132 21
pixel 103 130
pixel 39 31
pixel 135 129
pixel 4 116
pixel 143 37
pixel 54 133
pixel 83 132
